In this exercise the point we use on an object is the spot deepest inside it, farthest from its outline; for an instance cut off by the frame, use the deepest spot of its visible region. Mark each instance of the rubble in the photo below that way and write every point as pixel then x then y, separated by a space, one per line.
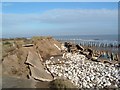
pixel 15 52
pixel 84 73
pixel 80 67
pixel 29 61
pixel 89 53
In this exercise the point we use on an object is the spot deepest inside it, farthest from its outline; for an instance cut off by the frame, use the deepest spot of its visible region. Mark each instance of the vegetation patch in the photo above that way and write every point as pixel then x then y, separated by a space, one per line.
pixel 41 37
pixel 61 84
pixel 7 43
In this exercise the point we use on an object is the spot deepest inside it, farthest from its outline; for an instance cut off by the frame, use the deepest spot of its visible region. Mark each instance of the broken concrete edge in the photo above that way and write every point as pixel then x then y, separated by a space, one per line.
pixel 40 74
pixel 41 79
pixel 33 66
pixel 24 51
pixel 57 47
pixel 40 57
pixel 88 52
pixel 38 79
pixel 29 59
pixel 28 45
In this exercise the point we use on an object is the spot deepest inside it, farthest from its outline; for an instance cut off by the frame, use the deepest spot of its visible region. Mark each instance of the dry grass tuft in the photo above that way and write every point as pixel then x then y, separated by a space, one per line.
pixel 61 84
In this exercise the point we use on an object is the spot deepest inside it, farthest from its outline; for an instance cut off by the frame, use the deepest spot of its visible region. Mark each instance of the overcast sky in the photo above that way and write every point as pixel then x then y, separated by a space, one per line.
pixel 82 18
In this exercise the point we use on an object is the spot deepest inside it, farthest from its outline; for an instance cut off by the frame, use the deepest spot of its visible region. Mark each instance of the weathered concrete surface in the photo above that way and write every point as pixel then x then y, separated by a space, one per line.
pixel 36 67
pixel 34 60
pixel 40 74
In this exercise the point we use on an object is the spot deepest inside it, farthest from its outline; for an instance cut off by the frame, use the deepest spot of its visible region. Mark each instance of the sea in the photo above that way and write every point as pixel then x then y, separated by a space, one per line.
pixel 103 42
pixel 89 37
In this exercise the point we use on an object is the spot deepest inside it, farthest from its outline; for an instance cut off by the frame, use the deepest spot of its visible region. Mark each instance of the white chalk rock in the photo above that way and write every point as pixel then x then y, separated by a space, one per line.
pixel 59 74
pixel 84 84
pixel 91 85
pixel 87 78
pixel 51 57
pixel 92 78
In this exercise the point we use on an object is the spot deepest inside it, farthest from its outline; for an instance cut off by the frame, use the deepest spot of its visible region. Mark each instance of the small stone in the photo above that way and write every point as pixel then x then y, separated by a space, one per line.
pixel 84 84
pixel 87 78
pixel 51 57
pixel 90 85
pixel 92 78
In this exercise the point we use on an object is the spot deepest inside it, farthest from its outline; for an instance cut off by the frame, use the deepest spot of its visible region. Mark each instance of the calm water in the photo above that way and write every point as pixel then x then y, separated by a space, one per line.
pixel 90 37
pixel 102 41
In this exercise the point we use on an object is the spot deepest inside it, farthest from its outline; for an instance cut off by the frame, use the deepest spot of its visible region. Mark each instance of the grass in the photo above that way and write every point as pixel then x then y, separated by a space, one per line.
pixel 7 43
pixel 41 37
pixel 7 47
pixel 7 50
pixel 60 84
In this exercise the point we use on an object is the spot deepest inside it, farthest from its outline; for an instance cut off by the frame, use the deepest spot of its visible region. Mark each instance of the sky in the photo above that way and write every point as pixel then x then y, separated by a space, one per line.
pixel 24 19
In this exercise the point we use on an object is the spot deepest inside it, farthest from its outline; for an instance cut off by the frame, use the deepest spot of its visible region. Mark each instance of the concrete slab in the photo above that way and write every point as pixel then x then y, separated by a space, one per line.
pixel 40 74
pixel 34 60
pixel 37 69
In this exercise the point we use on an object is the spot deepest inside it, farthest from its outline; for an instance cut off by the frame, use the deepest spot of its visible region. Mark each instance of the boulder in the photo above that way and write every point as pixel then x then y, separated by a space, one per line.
pixel 79 47
pixel 94 58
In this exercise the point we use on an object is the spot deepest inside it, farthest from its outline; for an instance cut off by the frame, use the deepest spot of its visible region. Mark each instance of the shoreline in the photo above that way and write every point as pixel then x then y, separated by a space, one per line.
pixel 29 54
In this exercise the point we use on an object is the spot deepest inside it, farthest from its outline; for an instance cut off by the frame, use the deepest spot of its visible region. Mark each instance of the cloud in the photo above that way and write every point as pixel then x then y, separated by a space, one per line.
pixel 64 19
pixel 80 15
pixel 6 4
pixel 64 16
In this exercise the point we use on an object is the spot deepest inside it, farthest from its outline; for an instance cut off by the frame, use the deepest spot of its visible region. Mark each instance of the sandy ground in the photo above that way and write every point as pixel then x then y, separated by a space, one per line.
pixel 0 76
pixel 0 65
pixel 41 84
pixel 13 82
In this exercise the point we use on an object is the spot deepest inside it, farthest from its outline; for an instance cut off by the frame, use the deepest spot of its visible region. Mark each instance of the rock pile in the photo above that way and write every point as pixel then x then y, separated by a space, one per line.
pixel 84 73
pixel 102 56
